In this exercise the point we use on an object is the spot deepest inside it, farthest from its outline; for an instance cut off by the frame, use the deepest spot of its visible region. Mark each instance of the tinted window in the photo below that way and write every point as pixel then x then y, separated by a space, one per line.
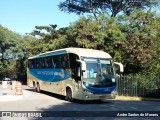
pixel 58 61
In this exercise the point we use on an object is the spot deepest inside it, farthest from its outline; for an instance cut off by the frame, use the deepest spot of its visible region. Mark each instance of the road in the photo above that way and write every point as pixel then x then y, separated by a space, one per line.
pixel 57 105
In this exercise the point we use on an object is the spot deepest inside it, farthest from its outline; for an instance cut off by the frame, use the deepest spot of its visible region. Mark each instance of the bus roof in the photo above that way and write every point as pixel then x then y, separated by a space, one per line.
pixel 79 51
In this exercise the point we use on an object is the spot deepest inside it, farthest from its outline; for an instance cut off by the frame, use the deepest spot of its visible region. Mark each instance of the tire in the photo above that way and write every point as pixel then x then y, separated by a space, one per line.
pixel 34 87
pixel 38 88
pixel 69 95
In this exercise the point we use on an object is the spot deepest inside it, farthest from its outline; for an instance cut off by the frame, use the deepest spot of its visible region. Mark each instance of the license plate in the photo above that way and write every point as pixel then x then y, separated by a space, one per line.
pixel 102 97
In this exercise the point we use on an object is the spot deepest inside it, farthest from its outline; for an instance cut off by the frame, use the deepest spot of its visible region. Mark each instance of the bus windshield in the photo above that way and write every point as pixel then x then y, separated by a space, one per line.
pixel 99 72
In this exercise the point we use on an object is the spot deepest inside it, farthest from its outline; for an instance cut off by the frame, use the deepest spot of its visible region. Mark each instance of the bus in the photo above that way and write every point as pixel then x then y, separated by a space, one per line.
pixel 76 73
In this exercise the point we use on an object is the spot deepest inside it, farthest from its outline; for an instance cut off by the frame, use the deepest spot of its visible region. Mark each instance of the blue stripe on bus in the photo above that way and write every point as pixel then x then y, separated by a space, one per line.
pixel 50 75
pixel 99 90
pixel 50 54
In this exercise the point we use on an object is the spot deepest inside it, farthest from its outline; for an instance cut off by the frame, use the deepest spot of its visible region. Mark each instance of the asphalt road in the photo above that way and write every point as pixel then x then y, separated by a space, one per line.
pixel 55 107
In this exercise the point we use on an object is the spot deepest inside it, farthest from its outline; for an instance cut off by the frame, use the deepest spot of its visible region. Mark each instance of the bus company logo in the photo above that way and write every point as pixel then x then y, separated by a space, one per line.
pixel 6 114
pixel 45 72
pixel 20 114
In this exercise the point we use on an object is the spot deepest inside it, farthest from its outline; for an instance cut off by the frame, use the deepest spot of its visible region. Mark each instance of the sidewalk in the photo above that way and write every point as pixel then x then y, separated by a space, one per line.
pixel 7 94
pixel 127 98
pixel 6 91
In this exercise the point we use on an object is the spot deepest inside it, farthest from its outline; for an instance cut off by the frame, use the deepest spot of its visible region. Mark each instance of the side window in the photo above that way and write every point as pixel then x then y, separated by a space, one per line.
pixel 41 63
pixel 57 61
pixel 60 61
pixel 30 65
pixel 64 61
pixel 53 62
pixel 48 62
pixel 34 63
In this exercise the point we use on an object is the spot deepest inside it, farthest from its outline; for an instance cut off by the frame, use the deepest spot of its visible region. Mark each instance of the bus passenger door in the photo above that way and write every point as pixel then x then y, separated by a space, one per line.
pixel 75 69
pixel 76 76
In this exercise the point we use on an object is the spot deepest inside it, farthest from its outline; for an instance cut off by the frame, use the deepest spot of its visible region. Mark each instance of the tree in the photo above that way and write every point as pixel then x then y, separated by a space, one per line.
pixel 88 33
pixel 45 32
pixel 11 48
pixel 85 33
pixel 110 7
pixel 49 38
pixel 141 48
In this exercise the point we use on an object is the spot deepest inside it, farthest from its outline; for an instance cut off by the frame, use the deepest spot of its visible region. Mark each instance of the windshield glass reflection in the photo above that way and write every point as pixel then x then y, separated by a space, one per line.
pixel 99 72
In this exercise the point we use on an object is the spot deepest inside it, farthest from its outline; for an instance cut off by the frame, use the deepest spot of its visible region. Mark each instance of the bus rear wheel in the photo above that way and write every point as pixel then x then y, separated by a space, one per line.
pixel 38 88
pixel 34 87
pixel 69 95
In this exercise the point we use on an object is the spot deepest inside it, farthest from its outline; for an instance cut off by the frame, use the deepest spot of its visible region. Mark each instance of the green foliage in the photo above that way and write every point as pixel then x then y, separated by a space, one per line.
pixel 12 47
pixel 89 33
pixel 144 81
pixel 110 7
pixel 48 39
pixel 86 33
pixel 140 50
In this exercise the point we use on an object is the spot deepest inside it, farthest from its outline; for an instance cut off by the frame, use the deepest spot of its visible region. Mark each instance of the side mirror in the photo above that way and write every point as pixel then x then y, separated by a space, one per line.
pixel 78 72
pixel 83 64
pixel 121 66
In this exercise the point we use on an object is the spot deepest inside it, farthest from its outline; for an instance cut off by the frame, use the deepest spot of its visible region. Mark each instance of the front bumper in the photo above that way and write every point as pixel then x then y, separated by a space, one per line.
pixel 87 96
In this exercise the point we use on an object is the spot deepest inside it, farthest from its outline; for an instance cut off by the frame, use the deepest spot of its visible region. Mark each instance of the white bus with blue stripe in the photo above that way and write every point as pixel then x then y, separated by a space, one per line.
pixel 76 73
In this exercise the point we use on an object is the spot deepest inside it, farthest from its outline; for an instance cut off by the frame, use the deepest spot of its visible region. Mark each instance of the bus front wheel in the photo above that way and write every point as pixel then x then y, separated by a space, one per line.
pixel 69 94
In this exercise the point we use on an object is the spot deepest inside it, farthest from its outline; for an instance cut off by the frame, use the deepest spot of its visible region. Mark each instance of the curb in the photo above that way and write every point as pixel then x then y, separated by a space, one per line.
pixel 125 98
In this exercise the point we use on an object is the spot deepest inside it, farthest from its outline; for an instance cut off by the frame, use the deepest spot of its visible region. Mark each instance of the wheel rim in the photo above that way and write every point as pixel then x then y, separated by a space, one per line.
pixel 69 95
pixel 38 88
pixel 35 88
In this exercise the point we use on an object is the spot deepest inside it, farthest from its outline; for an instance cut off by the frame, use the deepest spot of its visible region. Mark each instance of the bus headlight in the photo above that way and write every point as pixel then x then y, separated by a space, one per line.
pixel 114 92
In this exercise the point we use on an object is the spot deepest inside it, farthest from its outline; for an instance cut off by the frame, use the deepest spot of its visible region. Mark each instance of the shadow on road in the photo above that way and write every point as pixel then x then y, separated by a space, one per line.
pixel 93 110
pixel 63 97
